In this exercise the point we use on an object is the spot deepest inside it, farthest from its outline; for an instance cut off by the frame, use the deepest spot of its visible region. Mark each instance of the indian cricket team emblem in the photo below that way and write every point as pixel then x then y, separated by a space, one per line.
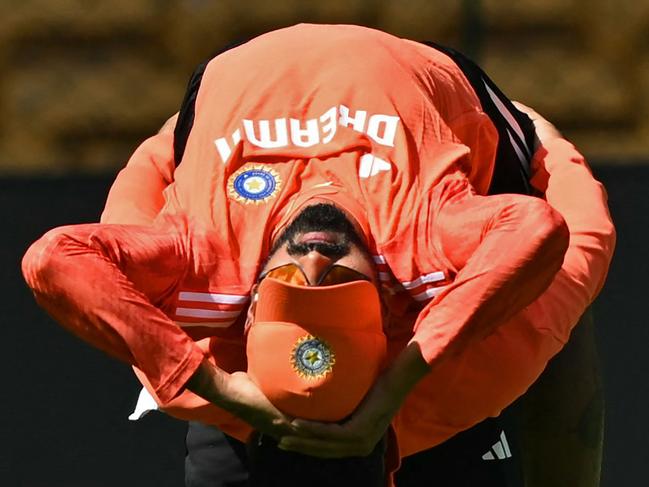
pixel 254 184
pixel 312 358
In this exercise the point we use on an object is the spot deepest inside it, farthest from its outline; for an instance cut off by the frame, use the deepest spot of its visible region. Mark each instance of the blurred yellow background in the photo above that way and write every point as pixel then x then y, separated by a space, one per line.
pixel 82 82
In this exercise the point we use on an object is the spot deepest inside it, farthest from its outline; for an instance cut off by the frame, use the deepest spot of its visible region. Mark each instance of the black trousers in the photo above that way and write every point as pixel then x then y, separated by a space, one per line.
pixel 216 459
pixel 484 456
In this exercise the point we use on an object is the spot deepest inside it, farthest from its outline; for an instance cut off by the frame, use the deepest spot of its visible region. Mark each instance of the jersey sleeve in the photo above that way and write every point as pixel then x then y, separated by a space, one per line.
pixel 101 282
pixel 136 196
pixel 188 406
pixel 562 174
pixel 508 249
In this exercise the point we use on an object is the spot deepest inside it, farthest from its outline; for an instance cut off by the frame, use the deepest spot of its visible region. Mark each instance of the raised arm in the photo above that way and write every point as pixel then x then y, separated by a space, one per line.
pixel 107 283
pixel 136 196
pixel 561 173
pixel 103 282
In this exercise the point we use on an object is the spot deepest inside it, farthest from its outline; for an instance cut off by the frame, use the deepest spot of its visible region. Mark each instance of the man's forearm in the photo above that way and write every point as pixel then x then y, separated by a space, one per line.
pixel 405 371
pixel 210 382
pixel 237 394
pixel 508 249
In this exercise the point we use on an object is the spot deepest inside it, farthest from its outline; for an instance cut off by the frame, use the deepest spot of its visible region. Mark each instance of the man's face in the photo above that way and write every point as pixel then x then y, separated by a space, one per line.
pixel 320 237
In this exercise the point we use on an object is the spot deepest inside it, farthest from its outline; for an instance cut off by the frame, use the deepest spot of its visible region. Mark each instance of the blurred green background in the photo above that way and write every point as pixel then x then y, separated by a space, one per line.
pixel 83 81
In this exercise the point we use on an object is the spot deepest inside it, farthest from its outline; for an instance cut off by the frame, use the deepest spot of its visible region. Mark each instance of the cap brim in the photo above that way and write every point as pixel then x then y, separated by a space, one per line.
pixel 339 325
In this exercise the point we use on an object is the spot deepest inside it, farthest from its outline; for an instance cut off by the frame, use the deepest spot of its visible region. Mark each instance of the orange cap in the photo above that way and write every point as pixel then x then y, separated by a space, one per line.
pixel 315 351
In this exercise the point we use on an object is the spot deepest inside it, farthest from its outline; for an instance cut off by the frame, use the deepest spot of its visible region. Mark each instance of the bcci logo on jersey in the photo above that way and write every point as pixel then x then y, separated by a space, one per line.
pixel 312 358
pixel 254 184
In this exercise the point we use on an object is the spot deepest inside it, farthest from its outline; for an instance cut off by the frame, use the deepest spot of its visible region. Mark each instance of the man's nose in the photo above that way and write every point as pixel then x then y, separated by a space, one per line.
pixel 314 265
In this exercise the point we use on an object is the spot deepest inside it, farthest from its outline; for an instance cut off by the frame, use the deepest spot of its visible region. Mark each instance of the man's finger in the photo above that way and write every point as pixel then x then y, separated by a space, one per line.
pixel 318 448
pixel 314 428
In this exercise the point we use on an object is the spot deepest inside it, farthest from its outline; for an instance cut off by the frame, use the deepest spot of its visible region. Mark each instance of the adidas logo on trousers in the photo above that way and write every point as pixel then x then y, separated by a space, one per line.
pixel 499 450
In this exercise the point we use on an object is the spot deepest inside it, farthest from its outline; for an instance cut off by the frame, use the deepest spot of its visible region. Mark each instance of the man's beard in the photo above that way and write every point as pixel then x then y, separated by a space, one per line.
pixel 317 218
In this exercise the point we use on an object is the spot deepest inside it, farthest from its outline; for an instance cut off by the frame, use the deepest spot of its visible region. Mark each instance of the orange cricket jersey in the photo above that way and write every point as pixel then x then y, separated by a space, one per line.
pixel 390 130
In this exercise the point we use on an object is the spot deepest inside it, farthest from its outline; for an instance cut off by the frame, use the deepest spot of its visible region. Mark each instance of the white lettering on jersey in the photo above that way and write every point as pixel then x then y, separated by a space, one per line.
pixel 265 140
pixel 305 137
pixel 371 165
pixel 224 148
pixel 388 125
pixel 381 128
pixel 357 120
pixel 329 124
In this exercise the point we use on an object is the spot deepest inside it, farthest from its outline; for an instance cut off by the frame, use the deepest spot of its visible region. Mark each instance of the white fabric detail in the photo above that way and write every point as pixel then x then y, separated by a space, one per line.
pixel 371 165
pixel 500 452
pixel 500 448
pixel 384 276
pixel 206 313
pixel 429 293
pixel 488 456
pixel 212 298
pixel 323 185
pixel 519 154
pixel 145 404
pixel 425 279
pixel 365 166
pixel 225 151
pixel 503 439
pixel 205 324
pixel 507 114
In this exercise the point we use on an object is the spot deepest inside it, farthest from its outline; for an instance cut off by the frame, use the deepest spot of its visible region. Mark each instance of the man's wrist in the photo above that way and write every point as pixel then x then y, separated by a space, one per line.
pixel 405 372
pixel 209 382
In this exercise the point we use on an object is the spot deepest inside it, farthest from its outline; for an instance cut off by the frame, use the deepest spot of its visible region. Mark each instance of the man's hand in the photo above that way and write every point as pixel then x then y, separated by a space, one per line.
pixel 170 125
pixel 239 395
pixel 245 400
pixel 358 435
pixel 545 131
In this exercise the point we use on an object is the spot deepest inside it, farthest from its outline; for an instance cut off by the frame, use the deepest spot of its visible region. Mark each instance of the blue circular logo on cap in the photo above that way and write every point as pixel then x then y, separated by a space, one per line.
pixel 312 357
pixel 254 184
